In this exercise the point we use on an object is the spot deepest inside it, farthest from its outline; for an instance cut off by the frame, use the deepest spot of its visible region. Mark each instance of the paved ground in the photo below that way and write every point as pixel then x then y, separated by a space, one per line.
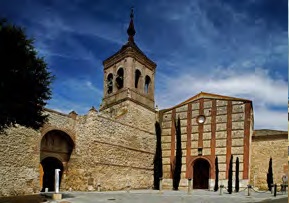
pixel 151 196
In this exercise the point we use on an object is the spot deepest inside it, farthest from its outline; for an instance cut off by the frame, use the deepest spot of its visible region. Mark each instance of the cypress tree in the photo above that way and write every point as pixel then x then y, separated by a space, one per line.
pixel 158 165
pixel 270 175
pixel 216 174
pixel 178 166
pixel 237 175
pixel 230 180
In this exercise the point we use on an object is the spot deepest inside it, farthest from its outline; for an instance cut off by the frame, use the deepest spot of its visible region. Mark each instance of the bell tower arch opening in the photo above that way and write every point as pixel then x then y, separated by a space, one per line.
pixel 55 151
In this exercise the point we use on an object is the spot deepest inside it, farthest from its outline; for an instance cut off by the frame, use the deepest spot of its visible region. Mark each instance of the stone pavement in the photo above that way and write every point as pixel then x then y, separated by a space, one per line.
pixel 152 196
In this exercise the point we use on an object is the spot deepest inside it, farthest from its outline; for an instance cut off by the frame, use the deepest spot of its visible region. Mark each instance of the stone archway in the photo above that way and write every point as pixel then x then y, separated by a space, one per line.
pixel 49 165
pixel 201 174
pixel 55 150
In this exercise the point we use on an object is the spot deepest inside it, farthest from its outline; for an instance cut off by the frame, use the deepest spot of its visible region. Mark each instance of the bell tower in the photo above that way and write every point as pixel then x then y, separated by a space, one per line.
pixel 129 77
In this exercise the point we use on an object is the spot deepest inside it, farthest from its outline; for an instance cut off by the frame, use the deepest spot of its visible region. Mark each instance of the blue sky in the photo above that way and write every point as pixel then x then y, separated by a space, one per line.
pixel 234 48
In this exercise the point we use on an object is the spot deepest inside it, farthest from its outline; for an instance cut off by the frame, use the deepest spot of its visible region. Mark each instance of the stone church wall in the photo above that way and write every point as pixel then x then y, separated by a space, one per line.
pixel 224 132
pixel 264 147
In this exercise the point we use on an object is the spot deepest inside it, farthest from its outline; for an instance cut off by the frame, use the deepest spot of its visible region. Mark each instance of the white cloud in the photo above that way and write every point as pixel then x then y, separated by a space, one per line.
pixel 258 86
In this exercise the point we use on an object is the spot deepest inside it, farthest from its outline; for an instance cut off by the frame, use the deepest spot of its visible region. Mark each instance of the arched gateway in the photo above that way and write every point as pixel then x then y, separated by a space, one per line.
pixel 56 148
pixel 201 174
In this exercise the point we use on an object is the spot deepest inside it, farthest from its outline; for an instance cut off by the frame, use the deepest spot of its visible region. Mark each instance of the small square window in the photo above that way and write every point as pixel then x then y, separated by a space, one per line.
pixel 200 151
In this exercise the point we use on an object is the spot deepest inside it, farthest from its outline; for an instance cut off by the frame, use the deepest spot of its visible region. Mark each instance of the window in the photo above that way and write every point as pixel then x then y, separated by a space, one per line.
pixel 200 151
pixel 147 84
pixel 109 83
pixel 137 77
pixel 119 78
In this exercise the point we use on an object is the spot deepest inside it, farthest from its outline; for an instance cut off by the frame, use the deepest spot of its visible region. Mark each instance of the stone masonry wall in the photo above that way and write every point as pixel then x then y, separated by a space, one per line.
pixel 106 151
pixel 19 162
pixel 109 153
pixel 133 114
pixel 262 149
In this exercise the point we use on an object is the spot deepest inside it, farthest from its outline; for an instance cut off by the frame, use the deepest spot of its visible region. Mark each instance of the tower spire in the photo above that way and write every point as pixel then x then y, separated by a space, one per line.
pixel 130 30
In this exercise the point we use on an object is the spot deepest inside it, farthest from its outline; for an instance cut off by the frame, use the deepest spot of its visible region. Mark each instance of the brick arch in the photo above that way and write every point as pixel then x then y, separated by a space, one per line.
pixel 194 159
pixel 49 128
pixel 54 156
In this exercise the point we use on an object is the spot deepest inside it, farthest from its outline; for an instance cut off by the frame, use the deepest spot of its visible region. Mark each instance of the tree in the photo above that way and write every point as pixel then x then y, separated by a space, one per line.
pixel 216 174
pixel 24 80
pixel 270 175
pixel 237 175
pixel 230 179
pixel 158 165
pixel 178 166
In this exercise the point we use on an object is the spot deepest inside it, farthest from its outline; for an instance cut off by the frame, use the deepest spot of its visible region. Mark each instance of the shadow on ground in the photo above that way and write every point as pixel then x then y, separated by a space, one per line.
pixel 44 197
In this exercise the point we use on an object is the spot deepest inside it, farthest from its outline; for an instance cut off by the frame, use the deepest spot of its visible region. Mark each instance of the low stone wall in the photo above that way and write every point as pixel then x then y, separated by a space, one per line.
pixel 264 147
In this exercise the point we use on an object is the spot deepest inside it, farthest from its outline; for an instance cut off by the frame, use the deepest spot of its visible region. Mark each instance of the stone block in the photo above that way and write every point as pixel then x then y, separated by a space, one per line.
pixel 207 104
pixel 194 152
pixel 222 167
pixel 184 130
pixel 166 153
pixel 221 126
pixel 195 113
pixel 195 129
pixel 166 139
pixel 182 108
pixel 238 142
pixel 167 117
pixel 222 176
pixel 221 159
pixel 221 143
pixel 221 119
pixel 167 124
pixel 221 151
pixel 166 160
pixel 237 133
pixel 183 123
pixel 166 146
pixel 194 144
pixel 238 117
pixel 222 110
pixel 56 196
pixel 207 112
pixel 206 143
pixel 195 106
pixel 207 136
pixel 221 135
pixel 195 136
pixel 166 131
pixel 182 115
pixel 237 150
pixel 207 128
pixel 238 108
pixel 206 151
pixel 238 125
pixel 221 102
pixel 237 102
pixel 184 137
pixel 194 121
pixel 208 120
